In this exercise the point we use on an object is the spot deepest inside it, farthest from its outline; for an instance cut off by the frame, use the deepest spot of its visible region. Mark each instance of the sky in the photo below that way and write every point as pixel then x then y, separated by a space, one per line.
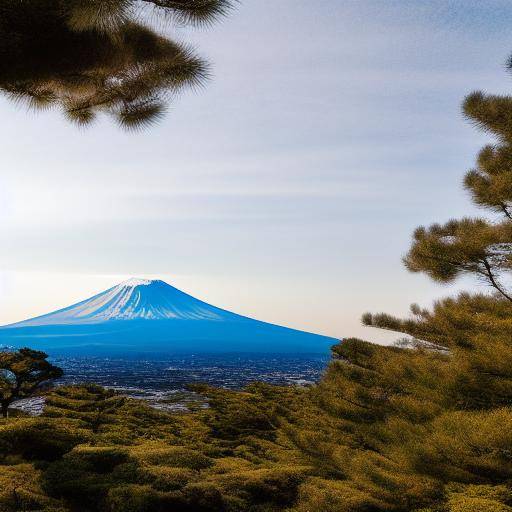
pixel 287 189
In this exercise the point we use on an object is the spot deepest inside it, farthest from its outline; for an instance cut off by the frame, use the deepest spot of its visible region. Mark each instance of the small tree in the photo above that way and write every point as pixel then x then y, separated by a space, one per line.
pixel 22 373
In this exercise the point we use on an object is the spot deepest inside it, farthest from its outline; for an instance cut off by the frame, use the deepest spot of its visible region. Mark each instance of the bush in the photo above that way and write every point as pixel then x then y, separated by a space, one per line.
pixel 468 446
pixel 20 490
pixel 175 456
pixel 40 438
pixel 133 498
pixel 321 495
pixel 98 459
pixel 264 485
pixel 164 478
pixel 203 497
pixel 85 475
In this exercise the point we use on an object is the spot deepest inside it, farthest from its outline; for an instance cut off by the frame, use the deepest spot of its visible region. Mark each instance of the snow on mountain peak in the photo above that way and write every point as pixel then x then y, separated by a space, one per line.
pixel 134 299
pixel 150 315
pixel 135 281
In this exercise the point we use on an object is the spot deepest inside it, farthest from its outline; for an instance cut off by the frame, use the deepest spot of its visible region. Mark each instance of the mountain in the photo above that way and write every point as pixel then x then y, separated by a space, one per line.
pixel 135 299
pixel 142 316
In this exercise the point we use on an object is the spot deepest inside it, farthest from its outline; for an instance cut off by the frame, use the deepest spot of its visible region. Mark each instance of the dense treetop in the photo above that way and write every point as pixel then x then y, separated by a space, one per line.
pixel 22 374
pixel 89 56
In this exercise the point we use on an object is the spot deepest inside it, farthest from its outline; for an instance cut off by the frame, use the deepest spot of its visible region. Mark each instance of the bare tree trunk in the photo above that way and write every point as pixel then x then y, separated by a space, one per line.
pixel 4 406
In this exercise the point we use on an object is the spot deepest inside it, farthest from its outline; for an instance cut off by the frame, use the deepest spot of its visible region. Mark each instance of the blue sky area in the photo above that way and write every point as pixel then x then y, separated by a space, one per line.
pixel 287 189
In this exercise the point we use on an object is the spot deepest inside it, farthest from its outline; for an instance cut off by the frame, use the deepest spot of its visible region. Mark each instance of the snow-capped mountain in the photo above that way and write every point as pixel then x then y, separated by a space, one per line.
pixel 134 299
pixel 151 316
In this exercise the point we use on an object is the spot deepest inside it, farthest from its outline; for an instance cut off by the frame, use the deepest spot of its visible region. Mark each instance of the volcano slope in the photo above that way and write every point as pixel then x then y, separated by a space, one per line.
pixel 141 316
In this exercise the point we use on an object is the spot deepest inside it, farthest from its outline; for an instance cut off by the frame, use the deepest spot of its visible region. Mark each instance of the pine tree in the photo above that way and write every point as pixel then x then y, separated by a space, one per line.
pixel 481 247
pixel 93 56
pixel 22 373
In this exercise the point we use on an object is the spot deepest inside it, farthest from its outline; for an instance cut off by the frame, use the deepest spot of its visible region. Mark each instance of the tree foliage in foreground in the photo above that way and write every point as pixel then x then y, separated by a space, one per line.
pixel 90 56
pixel 480 247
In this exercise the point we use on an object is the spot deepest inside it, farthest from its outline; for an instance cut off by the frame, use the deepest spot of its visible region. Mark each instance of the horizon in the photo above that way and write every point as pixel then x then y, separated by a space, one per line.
pixel 239 200
pixel 150 316
pixel 132 282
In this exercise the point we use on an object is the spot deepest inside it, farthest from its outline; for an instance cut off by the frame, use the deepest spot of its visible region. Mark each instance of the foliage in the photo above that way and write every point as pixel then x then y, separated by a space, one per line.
pixel 92 56
pixel 479 247
pixel 94 450
pixel 22 373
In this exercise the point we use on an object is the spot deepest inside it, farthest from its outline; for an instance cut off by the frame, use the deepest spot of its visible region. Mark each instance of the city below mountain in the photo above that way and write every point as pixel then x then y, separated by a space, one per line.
pixel 143 317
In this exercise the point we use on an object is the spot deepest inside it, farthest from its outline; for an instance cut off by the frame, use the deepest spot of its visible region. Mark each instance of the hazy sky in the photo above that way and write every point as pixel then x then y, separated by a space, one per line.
pixel 286 190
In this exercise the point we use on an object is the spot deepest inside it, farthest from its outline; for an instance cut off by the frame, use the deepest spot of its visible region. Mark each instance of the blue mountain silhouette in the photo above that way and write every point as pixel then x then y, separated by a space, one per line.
pixel 150 316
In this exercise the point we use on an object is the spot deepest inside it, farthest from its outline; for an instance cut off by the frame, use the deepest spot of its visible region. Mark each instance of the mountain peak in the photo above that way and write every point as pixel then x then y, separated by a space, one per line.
pixel 136 281
pixel 151 315
pixel 134 299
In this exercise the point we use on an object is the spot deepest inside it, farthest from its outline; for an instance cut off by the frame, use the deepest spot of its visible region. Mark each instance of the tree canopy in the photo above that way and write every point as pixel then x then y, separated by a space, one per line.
pixel 86 57
pixel 22 373
pixel 481 247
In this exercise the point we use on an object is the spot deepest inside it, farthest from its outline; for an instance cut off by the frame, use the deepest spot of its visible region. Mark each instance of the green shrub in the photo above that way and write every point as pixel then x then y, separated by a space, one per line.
pixel 321 495
pixel 85 475
pixel 165 478
pixel 99 459
pixel 203 497
pixel 20 490
pixel 468 504
pixel 477 498
pixel 263 485
pixel 175 456
pixel 133 498
pixel 40 438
